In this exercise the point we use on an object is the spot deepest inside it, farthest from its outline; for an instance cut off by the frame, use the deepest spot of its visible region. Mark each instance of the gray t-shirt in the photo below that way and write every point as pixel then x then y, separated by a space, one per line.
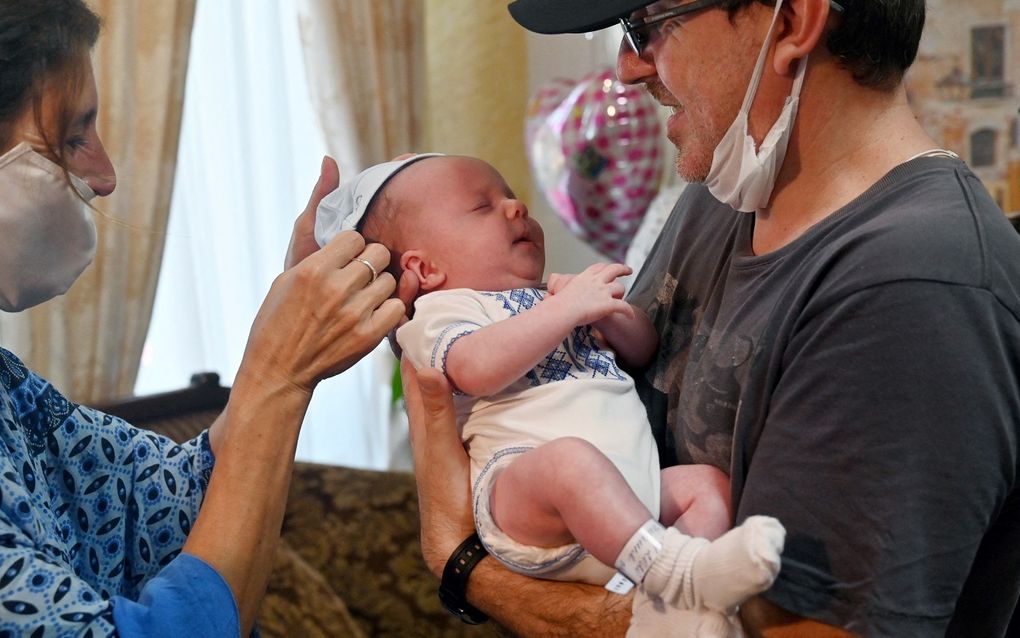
pixel 862 385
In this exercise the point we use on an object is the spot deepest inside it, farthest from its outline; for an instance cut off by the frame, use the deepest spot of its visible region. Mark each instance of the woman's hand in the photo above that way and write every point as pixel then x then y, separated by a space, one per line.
pixel 302 240
pixel 322 315
pixel 440 465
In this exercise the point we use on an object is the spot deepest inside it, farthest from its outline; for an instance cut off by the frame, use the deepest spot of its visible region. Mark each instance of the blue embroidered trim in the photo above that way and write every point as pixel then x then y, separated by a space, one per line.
pixel 446 353
pixel 579 356
pixel 442 336
pixel 517 300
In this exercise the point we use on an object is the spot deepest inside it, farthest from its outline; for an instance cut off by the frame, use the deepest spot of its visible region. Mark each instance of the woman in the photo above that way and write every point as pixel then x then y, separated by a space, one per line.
pixel 100 526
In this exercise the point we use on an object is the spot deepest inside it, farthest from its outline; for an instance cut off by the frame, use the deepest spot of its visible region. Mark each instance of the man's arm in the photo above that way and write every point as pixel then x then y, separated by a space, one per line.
pixel 532 607
pixel 762 619
pixel 526 606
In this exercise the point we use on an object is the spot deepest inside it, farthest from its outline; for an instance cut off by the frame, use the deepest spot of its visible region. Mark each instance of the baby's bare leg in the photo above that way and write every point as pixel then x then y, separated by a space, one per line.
pixel 696 500
pixel 567 491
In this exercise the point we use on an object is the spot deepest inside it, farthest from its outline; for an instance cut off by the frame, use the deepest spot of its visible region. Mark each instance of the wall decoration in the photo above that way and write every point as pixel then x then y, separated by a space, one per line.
pixel 963 87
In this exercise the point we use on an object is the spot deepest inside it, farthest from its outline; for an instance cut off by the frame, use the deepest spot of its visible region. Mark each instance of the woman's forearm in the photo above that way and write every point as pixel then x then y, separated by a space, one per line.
pixel 238 527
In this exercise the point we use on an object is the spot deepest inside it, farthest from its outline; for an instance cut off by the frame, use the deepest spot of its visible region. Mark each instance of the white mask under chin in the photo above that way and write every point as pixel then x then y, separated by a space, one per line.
pixel 741 175
pixel 47 234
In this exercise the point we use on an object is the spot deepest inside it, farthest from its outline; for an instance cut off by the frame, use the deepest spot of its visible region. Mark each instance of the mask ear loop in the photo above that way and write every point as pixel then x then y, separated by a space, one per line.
pixel 759 67
pixel 80 187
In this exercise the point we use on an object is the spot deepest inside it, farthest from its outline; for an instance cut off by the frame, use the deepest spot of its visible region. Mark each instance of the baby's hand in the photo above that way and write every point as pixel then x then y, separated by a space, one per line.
pixel 557 282
pixel 592 294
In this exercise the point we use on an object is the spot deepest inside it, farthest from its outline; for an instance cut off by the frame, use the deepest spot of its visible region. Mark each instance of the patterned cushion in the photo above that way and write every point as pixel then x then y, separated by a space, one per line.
pixel 299 602
pixel 359 529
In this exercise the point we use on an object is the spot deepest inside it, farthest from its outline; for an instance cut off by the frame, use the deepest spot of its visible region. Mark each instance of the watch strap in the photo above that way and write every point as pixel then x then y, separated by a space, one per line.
pixel 453 586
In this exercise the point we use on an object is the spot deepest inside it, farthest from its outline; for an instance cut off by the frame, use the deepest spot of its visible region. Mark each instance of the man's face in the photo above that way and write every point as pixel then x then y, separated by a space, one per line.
pixel 470 224
pixel 699 65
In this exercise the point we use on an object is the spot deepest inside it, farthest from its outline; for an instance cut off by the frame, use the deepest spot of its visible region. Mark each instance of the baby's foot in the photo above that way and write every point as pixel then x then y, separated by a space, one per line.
pixel 693 573
pixel 739 564
pixel 715 625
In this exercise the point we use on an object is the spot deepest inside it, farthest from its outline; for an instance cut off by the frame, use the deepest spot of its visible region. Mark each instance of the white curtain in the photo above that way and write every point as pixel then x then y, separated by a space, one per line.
pixel 250 154
pixel 366 65
pixel 365 61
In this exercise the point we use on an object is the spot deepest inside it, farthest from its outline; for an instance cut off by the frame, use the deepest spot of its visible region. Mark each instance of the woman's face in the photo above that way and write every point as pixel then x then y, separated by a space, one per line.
pixel 83 151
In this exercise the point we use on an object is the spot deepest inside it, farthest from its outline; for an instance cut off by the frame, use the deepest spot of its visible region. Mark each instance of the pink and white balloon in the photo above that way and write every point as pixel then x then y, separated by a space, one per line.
pixel 595 148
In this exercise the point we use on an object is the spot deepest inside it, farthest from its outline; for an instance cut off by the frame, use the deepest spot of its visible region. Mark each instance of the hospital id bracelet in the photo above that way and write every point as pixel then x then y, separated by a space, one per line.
pixel 453 586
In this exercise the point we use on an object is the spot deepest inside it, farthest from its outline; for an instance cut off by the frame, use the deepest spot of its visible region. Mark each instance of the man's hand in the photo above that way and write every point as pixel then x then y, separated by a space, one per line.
pixel 407 292
pixel 302 240
pixel 440 465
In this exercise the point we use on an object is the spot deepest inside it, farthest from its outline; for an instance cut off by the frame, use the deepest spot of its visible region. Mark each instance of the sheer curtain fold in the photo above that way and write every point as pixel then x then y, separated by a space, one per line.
pixel 250 154
pixel 89 341
pixel 365 63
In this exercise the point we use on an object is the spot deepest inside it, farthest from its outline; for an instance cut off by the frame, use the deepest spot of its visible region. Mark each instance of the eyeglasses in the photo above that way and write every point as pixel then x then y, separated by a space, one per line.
pixel 636 31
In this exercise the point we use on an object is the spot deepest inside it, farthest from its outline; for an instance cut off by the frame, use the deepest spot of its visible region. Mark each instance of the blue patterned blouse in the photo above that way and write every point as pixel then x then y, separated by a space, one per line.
pixel 93 515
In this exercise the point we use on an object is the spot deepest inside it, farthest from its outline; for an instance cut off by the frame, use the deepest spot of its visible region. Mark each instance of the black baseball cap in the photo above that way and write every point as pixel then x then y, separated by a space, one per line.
pixel 572 16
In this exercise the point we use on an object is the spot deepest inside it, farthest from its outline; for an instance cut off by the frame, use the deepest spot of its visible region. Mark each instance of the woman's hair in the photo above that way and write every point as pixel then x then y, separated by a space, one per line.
pixel 43 43
pixel 876 40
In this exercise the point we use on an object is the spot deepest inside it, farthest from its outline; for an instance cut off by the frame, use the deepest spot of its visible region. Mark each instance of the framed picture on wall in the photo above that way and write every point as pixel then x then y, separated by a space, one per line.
pixel 963 87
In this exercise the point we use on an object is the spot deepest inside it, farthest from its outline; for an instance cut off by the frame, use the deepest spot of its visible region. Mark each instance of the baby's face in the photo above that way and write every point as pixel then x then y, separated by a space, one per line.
pixel 470 224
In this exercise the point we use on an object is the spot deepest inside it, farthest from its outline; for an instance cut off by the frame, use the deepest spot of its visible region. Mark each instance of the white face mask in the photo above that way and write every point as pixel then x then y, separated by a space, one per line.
pixel 741 175
pixel 47 235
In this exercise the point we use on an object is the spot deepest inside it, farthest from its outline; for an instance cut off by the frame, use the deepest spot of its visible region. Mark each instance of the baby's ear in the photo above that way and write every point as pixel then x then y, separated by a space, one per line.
pixel 429 276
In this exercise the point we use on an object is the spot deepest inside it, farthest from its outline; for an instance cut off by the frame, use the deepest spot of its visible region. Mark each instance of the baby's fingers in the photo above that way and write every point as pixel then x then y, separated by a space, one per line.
pixel 612 271
pixel 625 309
pixel 557 281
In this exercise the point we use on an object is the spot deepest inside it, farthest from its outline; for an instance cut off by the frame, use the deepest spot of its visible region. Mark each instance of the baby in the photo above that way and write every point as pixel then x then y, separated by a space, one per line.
pixel 565 476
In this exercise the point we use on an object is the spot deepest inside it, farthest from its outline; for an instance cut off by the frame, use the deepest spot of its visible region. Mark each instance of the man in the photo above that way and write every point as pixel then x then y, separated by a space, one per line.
pixel 837 301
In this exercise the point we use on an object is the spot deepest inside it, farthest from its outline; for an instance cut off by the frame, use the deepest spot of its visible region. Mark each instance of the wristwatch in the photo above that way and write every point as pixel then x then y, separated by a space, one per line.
pixel 453 586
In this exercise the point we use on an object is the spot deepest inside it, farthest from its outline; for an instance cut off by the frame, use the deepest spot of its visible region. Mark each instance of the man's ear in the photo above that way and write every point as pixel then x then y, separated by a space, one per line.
pixel 802 29
pixel 429 276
